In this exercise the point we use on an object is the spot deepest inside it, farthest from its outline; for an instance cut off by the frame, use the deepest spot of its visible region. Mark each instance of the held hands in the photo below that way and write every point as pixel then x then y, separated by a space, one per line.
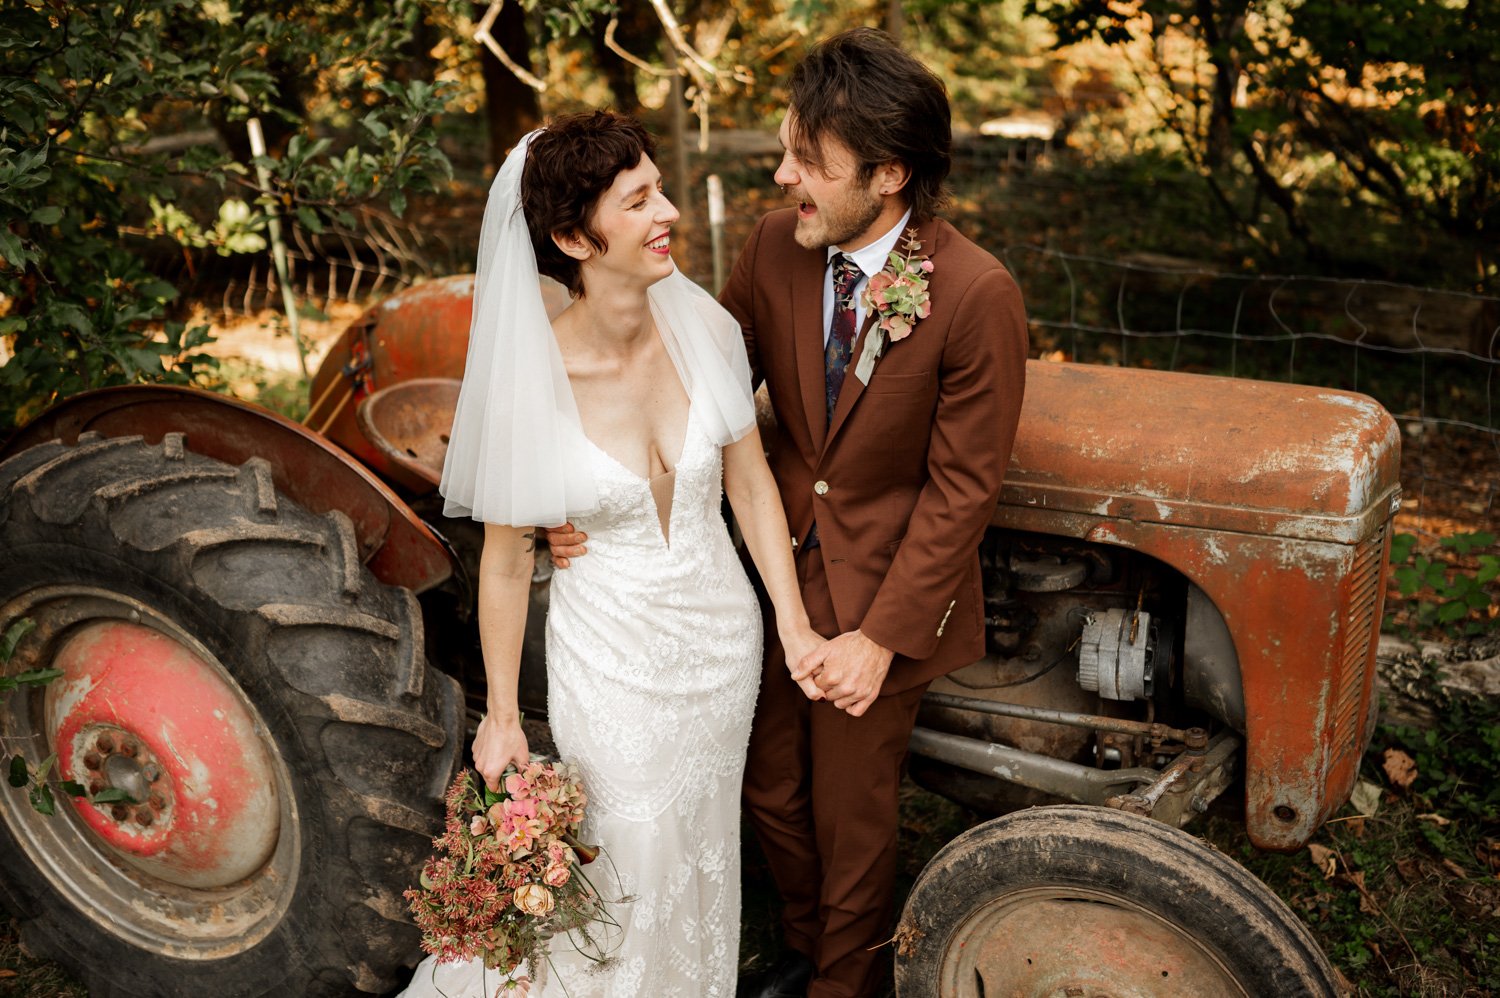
pixel 498 743
pixel 849 670
pixel 565 541
pixel 798 643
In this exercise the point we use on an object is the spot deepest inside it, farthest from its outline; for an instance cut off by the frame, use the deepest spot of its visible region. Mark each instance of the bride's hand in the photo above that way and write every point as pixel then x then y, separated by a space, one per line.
pixel 498 743
pixel 798 643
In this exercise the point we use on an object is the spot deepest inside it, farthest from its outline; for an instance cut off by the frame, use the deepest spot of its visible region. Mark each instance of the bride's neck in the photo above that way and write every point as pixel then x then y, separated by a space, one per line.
pixel 614 320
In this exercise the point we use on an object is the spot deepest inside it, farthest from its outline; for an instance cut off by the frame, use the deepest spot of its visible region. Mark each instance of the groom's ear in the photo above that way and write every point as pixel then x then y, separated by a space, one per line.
pixel 891 177
pixel 573 244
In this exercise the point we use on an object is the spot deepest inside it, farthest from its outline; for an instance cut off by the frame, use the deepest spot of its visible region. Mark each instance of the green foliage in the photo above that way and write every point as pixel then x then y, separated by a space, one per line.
pixel 1456 762
pixel 1402 901
pixel 1387 105
pixel 1449 598
pixel 19 774
pixel 88 93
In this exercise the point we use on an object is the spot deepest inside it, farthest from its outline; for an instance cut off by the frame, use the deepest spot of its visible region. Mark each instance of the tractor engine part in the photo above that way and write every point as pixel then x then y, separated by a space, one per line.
pixel 1115 654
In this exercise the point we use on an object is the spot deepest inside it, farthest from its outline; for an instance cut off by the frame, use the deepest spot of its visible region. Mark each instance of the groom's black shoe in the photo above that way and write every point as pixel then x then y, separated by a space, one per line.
pixel 788 979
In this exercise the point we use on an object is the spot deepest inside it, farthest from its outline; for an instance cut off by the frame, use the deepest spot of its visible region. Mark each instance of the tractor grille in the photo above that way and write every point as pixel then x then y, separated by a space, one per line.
pixel 1358 631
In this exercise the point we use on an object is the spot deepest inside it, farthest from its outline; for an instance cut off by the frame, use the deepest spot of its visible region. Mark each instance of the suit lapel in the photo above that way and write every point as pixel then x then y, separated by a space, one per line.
pixel 807 339
pixel 853 388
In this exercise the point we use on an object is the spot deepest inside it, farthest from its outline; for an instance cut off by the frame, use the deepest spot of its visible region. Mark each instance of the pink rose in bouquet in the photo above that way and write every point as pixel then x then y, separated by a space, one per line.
pixel 507 873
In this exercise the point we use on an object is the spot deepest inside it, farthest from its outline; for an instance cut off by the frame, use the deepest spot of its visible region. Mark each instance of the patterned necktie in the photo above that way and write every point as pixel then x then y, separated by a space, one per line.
pixel 846 274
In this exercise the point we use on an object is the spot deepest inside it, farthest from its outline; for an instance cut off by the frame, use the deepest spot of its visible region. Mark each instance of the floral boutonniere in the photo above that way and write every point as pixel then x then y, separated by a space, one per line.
pixel 898 298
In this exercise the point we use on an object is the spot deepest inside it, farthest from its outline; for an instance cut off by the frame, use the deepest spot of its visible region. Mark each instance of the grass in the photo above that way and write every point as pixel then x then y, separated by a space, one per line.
pixel 21 976
pixel 1405 901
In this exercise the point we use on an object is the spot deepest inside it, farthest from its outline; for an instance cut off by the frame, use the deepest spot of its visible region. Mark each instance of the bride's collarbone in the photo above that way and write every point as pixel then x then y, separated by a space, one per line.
pixel 643 427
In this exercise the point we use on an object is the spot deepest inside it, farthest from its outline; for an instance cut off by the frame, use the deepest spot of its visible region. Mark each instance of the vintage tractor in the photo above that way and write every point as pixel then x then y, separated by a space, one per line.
pixel 265 636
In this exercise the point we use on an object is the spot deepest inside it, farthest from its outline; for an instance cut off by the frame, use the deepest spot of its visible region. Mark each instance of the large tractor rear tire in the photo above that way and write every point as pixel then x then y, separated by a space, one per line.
pixel 264 701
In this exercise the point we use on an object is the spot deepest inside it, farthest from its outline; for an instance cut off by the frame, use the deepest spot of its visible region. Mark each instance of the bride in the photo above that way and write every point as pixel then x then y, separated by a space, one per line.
pixel 630 414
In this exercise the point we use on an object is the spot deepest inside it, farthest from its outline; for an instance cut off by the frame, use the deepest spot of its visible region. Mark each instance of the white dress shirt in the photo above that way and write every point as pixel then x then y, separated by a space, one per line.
pixel 871 260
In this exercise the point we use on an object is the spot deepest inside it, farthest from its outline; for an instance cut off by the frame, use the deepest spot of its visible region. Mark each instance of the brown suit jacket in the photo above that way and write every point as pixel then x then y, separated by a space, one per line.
pixel 904 480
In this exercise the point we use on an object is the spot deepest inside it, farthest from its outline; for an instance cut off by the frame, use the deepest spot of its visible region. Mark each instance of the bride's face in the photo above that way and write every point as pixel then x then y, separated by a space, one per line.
pixel 635 218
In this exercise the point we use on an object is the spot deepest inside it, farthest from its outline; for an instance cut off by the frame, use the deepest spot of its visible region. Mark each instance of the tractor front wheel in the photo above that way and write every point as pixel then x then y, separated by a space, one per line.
pixel 1093 902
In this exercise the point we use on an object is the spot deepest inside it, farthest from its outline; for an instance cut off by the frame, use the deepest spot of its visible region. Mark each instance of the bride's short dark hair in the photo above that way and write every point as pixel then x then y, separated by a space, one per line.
pixel 569 166
pixel 864 90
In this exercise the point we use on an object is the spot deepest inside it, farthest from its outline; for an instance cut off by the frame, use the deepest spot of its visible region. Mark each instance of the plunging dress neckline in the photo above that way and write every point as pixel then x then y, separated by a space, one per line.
pixel 663 517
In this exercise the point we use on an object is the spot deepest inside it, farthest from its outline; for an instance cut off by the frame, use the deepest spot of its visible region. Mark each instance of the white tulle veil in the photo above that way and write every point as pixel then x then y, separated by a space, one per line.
pixel 517 453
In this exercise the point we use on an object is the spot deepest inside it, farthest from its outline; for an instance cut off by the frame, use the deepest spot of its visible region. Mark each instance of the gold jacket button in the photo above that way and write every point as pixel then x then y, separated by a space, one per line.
pixel 821 488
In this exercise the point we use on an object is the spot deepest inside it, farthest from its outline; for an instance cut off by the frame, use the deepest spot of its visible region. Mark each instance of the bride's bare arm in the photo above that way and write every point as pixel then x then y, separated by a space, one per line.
pixel 505 568
pixel 757 507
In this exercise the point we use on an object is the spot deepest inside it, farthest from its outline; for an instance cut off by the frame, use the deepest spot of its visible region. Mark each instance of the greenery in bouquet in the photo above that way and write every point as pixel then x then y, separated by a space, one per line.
pixel 507 875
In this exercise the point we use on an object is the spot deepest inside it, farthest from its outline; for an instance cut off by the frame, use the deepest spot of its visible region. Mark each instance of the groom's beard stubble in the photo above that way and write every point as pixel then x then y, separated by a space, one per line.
pixel 838 220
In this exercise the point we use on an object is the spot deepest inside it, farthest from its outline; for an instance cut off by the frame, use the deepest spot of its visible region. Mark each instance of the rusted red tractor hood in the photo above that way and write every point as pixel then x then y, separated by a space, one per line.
pixel 1199 451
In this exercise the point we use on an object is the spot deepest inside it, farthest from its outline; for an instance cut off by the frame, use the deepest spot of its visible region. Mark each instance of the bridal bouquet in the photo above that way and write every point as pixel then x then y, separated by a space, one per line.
pixel 507 873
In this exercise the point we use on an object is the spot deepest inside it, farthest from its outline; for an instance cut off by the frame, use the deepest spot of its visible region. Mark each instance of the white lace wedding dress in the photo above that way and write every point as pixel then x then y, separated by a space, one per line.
pixel 653 663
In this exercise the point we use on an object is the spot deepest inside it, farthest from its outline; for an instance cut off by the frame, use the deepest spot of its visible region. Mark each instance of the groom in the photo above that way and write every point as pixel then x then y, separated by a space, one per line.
pixel 889 475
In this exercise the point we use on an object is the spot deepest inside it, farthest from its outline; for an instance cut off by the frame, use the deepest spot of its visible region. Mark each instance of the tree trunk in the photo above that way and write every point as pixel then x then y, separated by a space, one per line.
pixel 511 107
pixel 1416 681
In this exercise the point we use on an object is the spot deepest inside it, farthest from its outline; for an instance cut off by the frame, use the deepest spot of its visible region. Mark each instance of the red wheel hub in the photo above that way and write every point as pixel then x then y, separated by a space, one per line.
pixel 137 711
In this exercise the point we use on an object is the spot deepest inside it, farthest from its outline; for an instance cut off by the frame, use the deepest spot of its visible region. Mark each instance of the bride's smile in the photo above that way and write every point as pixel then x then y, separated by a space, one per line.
pixel 633 221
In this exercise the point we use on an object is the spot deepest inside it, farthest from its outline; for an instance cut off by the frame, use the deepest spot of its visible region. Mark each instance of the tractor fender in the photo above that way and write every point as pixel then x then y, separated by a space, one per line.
pixel 396 545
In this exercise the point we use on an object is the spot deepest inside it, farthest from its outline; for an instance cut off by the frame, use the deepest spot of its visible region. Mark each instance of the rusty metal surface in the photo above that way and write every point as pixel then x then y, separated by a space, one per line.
pixel 1058 777
pixel 1094 722
pixel 423 332
pixel 1199 451
pixel 136 711
pixel 140 882
pixel 396 545
pixel 1307 661
pixel 408 423
pixel 1079 944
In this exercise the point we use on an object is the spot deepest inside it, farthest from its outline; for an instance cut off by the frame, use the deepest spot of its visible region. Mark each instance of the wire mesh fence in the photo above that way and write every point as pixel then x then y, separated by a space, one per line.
pixel 1430 356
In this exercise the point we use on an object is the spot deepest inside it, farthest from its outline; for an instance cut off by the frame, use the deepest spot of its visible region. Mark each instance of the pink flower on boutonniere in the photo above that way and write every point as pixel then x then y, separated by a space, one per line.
pixel 897 296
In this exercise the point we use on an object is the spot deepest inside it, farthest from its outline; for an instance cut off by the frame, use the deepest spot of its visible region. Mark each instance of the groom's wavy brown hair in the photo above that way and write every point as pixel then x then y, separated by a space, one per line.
pixel 864 90
pixel 569 166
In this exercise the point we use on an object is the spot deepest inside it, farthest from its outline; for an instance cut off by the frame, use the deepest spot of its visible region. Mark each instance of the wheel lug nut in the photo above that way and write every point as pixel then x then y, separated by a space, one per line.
pixel 96 786
pixel 91 760
pixel 105 744
pixel 151 771
pixel 128 747
pixel 157 802
pixel 119 812
pixel 144 816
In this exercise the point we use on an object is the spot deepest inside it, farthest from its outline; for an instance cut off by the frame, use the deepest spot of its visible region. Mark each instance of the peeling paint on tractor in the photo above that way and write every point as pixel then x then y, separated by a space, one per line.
pixel 139 712
pixel 1290 659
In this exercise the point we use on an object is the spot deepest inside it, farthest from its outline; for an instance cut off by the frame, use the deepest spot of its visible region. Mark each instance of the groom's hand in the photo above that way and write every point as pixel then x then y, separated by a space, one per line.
pixel 565 541
pixel 849 670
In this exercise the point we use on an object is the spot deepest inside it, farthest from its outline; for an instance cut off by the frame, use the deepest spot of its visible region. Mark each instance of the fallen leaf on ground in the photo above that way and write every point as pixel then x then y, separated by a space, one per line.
pixel 1399 768
pixel 1324 858
pixel 1455 869
pixel 6 974
pixel 1410 870
pixel 1366 797
pixel 1436 819
pixel 1487 851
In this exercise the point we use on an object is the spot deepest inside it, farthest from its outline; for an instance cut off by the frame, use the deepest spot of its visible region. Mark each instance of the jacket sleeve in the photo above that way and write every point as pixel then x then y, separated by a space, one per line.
pixel 738 296
pixel 981 379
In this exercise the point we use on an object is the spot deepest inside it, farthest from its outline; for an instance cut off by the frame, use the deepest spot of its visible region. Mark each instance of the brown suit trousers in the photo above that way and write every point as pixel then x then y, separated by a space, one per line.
pixel 817 776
